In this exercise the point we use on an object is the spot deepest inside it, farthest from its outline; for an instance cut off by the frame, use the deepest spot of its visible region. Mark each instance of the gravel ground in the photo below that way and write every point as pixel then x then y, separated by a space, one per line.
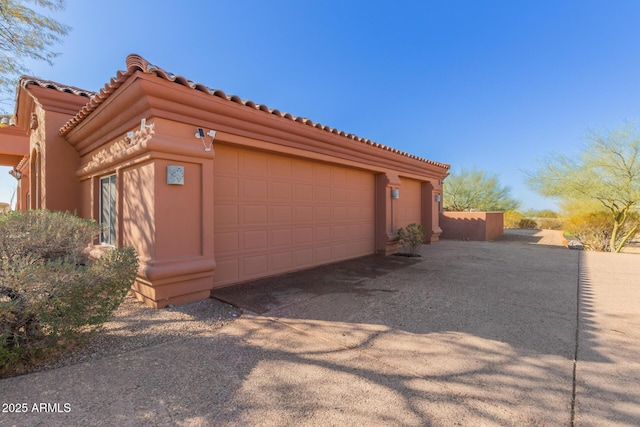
pixel 134 326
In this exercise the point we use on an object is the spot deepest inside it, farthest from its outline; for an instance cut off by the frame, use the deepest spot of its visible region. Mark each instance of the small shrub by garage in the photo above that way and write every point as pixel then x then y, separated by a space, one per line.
pixel 51 294
pixel 411 238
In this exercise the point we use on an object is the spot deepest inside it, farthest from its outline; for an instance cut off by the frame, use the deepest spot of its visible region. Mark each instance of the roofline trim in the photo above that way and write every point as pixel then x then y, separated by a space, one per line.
pixel 137 63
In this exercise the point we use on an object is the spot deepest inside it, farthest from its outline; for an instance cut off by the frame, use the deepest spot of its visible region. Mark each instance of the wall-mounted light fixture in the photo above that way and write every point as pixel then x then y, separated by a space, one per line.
pixel 144 125
pixel 175 175
pixel 438 198
pixel 395 193
pixel 200 134
pixel 16 174
pixel 7 121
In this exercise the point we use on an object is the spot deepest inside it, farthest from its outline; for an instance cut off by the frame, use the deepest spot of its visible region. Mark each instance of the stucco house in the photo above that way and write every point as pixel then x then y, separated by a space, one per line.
pixel 210 189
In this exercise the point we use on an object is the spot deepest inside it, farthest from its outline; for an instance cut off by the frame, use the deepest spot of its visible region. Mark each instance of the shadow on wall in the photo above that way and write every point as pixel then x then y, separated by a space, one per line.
pixel 480 226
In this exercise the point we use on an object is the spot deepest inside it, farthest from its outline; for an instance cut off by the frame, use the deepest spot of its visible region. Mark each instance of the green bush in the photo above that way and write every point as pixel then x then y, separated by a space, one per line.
pixel 51 293
pixel 411 238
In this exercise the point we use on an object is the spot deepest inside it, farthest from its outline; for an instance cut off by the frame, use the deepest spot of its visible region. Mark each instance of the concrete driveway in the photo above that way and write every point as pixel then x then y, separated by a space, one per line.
pixel 471 333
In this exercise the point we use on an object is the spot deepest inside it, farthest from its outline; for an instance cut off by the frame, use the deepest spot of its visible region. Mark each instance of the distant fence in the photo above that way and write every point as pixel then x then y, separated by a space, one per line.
pixel 483 226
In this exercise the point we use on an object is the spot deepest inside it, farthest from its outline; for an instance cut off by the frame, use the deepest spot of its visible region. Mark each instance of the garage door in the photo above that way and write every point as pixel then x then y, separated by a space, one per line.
pixel 275 214
pixel 409 203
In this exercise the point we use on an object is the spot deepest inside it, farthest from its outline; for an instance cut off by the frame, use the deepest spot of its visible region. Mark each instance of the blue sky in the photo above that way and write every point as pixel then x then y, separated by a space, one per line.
pixel 497 85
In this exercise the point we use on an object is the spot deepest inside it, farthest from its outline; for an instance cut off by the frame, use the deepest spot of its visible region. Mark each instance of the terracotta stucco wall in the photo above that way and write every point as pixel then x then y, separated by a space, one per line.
pixel 481 226
pixel 53 162
pixel 272 195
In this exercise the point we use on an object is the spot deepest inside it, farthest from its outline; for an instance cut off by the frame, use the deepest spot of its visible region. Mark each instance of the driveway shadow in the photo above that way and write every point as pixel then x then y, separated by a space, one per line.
pixel 348 277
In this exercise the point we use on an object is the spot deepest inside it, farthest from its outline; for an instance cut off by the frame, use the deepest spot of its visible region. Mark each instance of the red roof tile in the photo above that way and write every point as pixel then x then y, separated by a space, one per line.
pixel 137 63
pixel 48 84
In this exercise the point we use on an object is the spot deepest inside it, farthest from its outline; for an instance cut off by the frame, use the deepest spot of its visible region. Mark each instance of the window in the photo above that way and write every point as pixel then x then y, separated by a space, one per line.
pixel 108 210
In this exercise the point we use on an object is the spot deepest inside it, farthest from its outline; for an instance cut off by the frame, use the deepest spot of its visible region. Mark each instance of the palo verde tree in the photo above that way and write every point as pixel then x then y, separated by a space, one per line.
pixel 25 33
pixel 476 190
pixel 607 171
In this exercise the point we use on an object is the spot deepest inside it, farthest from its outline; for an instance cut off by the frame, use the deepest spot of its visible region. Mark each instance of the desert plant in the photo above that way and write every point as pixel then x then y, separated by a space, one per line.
pixel 51 295
pixel 527 223
pixel 548 223
pixel 593 229
pixel 411 238
pixel 512 219
pixel 476 190
pixel 607 173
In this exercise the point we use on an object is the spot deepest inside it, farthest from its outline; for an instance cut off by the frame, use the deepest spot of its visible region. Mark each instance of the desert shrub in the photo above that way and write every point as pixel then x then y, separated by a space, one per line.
pixel 593 229
pixel 51 295
pixel 512 219
pixel 549 223
pixel 411 238
pixel 527 223
pixel 46 235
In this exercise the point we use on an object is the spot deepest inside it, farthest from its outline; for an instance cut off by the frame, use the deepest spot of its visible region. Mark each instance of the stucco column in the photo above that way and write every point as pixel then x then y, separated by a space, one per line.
pixel 431 202
pixel 386 238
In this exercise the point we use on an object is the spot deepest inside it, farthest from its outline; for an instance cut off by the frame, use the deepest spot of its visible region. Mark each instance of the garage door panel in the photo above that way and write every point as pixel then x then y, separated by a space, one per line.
pixel 280 214
pixel 254 189
pixel 302 170
pixel 322 194
pixel 279 238
pixel 227 271
pixel 339 251
pixel 338 194
pixel 303 257
pixel 226 215
pixel 227 161
pixel 321 173
pixel 338 213
pixel 304 235
pixel 254 215
pixel 254 266
pixel 279 262
pixel 409 203
pixel 303 192
pixel 281 191
pixel 322 234
pixel 275 214
pixel 227 242
pixel 338 176
pixel 280 167
pixel 322 214
pixel 254 239
pixel 226 187
pixel 302 214
pixel 322 254
pixel 253 164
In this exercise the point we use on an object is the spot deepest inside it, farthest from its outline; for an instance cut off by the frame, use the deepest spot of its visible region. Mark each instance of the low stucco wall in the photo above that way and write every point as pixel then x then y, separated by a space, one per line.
pixel 482 226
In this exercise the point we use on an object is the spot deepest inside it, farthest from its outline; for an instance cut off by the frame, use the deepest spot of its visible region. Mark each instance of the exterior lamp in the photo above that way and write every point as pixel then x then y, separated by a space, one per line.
pixel 201 135
pixel 438 198
pixel 395 193
pixel 16 174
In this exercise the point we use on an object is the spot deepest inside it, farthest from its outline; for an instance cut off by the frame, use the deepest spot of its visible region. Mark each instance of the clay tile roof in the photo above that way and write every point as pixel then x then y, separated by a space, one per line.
pixel 47 84
pixel 137 63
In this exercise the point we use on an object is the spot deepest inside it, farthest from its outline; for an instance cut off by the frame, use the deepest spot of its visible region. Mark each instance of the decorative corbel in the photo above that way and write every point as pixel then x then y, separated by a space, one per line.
pixel 34 121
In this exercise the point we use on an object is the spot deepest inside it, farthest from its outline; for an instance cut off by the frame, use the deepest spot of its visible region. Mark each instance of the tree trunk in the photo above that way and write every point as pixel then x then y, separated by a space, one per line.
pixel 614 235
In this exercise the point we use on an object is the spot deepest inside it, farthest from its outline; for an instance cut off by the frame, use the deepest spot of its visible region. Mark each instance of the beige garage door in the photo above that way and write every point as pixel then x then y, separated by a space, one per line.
pixel 409 203
pixel 275 214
